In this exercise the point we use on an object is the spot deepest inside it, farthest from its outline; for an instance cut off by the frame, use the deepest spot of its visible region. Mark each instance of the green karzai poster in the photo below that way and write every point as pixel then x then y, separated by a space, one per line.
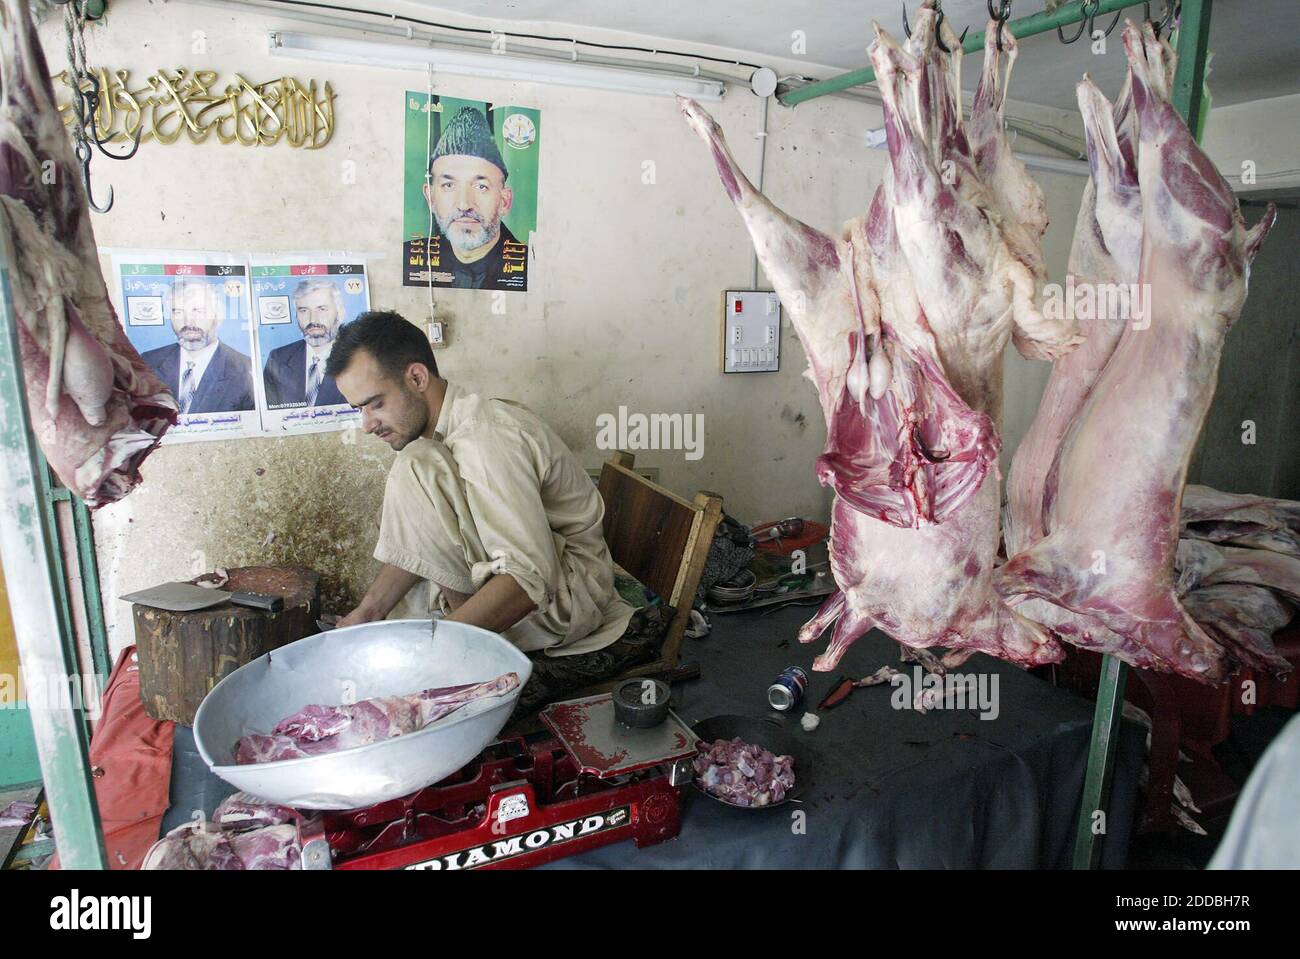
pixel 470 195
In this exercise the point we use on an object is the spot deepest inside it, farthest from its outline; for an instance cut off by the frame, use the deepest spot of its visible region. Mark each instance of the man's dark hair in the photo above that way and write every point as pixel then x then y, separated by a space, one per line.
pixel 389 337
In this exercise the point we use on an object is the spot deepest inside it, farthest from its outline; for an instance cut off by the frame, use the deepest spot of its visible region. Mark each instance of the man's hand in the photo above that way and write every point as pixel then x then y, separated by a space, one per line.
pixel 389 587
pixel 356 617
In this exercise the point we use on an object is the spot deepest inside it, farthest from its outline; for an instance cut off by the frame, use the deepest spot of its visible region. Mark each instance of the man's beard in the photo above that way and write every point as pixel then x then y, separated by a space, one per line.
pixel 320 337
pixel 459 241
pixel 413 420
pixel 193 339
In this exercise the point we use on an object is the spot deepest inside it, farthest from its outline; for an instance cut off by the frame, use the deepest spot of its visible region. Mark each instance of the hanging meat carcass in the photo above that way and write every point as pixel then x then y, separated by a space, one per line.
pixel 1106 251
pixel 97 410
pixel 1111 497
pixel 904 321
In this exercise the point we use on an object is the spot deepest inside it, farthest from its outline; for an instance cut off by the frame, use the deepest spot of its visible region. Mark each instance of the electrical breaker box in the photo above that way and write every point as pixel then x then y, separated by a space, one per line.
pixel 751 332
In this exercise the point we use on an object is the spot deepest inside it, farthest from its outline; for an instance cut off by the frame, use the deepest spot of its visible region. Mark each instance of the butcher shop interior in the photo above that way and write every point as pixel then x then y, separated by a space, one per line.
pixel 877 453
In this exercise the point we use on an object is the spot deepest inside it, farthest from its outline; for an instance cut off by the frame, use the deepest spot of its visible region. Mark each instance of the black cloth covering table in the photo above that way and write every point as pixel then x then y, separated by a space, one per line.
pixel 893 788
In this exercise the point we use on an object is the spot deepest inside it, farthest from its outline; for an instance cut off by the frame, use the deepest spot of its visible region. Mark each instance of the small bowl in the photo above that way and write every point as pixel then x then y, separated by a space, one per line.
pixel 631 708
pixel 738 589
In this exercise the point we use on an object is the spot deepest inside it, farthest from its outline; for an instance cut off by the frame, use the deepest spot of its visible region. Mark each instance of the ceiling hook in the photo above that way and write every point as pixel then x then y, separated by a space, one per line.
pixel 1092 27
pixel 1001 15
pixel 1165 18
pixel 1087 12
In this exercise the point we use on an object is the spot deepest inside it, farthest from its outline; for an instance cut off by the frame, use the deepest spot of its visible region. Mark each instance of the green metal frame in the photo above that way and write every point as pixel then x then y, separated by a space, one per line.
pixel 1063 16
pixel 42 626
pixel 84 530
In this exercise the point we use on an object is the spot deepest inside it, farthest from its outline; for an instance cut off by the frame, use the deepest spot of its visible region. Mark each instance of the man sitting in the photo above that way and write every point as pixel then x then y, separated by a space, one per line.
pixel 487 505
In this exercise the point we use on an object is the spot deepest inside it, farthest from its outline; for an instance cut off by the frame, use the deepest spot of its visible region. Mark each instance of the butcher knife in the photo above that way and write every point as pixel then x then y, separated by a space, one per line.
pixel 186 597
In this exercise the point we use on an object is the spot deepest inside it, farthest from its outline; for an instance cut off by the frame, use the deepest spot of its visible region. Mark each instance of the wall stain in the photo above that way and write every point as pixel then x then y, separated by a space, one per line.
pixel 310 500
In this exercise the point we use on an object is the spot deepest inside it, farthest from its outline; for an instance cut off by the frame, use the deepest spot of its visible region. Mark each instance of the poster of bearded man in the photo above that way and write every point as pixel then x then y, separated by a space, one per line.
pixel 470 193
pixel 187 314
pixel 300 303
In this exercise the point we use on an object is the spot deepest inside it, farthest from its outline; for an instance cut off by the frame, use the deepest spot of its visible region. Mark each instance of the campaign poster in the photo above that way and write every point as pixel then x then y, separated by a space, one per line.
pixel 469 193
pixel 187 315
pixel 300 303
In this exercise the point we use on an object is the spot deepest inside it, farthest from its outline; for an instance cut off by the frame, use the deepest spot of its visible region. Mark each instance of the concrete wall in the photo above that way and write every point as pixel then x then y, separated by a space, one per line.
pixel 624 310
pixel 1265 133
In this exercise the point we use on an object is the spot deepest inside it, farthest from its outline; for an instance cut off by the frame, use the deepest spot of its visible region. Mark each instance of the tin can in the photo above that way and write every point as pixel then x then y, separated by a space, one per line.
pixel 787 691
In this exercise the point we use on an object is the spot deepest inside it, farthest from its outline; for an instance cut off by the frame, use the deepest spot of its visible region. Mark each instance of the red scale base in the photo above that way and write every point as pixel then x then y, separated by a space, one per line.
pixel 518 805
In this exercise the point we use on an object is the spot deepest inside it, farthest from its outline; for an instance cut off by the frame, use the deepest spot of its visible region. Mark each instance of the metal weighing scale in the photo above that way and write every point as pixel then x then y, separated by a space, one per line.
pixel 590 782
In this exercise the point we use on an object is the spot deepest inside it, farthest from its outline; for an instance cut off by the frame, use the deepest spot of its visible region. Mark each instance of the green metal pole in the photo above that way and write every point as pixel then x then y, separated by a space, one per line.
pixel 1192 42
pixel 84 531
pixel 51 495
pixel 44 635
pixel 90 587
pixel 1063 16
pixel 1101 763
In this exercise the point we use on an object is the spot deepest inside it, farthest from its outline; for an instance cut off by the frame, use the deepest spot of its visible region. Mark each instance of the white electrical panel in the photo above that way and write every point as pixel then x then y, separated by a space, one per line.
pixel 751 332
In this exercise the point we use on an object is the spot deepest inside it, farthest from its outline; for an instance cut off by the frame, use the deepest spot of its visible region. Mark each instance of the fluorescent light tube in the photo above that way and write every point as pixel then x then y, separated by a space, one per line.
pixel 498 66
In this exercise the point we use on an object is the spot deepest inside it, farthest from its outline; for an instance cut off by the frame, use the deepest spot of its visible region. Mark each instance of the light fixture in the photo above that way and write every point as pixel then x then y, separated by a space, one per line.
pixel 762 82
pixel 499 66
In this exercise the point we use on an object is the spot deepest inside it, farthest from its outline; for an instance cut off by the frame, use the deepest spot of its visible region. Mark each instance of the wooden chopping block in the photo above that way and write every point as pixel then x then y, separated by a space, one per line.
pixel 183 655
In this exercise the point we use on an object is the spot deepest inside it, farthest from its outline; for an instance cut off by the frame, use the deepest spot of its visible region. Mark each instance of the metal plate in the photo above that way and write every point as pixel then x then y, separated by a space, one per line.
pixel 178 597
pixel 772 735
pixel 603 747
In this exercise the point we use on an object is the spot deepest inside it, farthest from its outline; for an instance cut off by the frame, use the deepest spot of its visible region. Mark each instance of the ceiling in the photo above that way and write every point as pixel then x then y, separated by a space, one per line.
pixel 1254 42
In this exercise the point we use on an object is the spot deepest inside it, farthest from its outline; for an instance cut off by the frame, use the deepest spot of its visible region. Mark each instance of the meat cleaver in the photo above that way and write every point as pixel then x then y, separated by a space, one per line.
pixel 186 597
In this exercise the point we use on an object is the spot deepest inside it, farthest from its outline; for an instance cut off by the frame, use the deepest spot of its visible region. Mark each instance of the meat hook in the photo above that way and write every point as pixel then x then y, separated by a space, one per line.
pixel 83 151
pixel 938 36
pixel 1164 20
pixel 1088 19
pixel 1001 15
pixel 91 100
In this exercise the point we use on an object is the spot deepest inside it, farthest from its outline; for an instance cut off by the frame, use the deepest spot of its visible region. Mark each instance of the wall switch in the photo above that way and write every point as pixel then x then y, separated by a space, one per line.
pixel 751 331
pixel 437 333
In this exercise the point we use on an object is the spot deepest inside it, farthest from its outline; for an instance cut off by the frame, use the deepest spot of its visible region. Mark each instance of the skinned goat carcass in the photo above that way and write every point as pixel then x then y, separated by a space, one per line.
pixel 1243 618
pixel 1202 563
pixel 1203 504
pixel 1106 251
pixel 1111 499
pixel 315 730
pixel 1241 520
pixel 97 409
pixel 904 322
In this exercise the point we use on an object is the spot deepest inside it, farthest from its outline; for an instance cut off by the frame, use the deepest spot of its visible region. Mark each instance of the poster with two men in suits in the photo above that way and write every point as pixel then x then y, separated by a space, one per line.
pixel 242 342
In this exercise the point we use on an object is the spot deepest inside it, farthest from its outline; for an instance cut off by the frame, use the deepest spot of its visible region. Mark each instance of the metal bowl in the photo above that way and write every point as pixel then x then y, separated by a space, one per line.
pixel 389 658
pixel 772 735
